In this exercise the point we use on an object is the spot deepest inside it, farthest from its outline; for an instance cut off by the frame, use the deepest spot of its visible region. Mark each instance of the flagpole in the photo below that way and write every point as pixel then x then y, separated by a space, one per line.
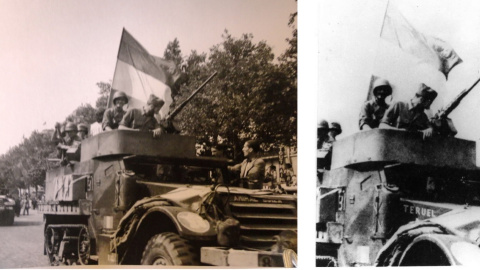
pixel 372 79
pixel 384 16
pixel 110 94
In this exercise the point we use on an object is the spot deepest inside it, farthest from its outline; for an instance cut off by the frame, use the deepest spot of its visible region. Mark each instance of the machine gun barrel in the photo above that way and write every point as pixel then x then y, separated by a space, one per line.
pixel 444 125
pixel 443 113
pixel 172 114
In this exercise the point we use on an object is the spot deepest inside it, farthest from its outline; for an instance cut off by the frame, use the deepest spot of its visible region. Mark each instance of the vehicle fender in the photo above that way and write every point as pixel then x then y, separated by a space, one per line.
pixel 172 213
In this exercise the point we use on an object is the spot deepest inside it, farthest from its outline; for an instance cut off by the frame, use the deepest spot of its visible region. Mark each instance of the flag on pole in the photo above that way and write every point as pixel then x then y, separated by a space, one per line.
pixel 397 30
pixel 140 74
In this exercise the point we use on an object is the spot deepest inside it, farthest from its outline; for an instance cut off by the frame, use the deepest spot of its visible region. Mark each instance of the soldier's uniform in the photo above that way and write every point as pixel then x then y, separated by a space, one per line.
pixel 141 119
pixel 404 115
pixel 114 115
pixel 373 110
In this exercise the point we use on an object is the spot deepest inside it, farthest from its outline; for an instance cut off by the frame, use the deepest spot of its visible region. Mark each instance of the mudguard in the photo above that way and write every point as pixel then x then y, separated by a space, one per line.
pixel 452 232
pixel 142 209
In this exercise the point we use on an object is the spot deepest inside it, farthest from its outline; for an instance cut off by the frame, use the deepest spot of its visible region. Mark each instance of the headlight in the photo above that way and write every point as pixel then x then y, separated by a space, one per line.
pixel 193 222
pixel 289 258
pixel 466 253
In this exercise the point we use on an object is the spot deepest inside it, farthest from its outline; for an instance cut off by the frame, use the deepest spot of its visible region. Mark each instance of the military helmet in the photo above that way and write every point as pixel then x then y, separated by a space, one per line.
pixel 382 83
pixel 323 125
pixel 336 126
pixel 70 127
pixel 118 95
pixel 82 127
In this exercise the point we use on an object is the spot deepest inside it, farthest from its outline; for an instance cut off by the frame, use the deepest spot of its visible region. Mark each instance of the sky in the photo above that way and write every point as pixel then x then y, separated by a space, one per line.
pixel 349 52
pixel 53 52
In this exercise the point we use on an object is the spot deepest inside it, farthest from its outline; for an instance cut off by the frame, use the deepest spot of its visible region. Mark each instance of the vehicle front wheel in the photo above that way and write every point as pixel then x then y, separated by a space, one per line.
pixel 169 249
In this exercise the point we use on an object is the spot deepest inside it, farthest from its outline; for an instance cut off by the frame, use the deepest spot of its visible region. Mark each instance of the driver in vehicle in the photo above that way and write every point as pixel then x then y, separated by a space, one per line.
pixel 252 169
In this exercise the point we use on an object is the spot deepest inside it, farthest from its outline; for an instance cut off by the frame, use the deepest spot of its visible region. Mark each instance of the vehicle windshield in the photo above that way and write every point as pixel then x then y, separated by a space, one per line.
pixel 176 173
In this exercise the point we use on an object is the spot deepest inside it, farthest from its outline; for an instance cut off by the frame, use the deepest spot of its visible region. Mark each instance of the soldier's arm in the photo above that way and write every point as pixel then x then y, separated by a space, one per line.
pixel 365 117
pixel 389 118
pixel 106 121
pixel 127 120
pixel 235 168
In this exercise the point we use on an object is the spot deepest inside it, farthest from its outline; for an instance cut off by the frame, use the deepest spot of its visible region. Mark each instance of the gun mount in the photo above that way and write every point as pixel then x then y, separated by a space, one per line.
pixel 444 125
pixel 167 122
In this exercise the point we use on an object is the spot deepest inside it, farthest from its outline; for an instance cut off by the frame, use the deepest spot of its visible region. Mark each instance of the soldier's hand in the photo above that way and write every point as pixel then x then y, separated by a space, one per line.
pixel 427 133
pixel 157 132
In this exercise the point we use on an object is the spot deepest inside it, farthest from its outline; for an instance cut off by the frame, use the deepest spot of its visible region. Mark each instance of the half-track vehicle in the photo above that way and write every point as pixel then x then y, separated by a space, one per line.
pixel 394 199
pixel 133 199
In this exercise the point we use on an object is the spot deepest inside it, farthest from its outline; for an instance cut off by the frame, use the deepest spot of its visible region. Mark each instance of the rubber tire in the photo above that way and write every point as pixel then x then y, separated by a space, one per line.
pixel 170 247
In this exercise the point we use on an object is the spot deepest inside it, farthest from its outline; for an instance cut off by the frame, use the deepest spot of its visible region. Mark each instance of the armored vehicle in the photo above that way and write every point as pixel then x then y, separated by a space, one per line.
pixel 7 211
pixel 134 199
pixel 394 199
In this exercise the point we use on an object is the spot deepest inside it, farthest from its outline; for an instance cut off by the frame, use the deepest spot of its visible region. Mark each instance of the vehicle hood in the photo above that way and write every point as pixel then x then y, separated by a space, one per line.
pixel 191 197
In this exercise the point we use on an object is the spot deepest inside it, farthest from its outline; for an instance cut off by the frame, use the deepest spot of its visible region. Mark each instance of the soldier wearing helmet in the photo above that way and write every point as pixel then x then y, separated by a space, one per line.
pixel 113 116
pixel 373 110
pixel 322 133
pixel 71 137
pixel 411 115
pixel 324 155
pixel 144 120
pixel 71 140
pixel 82 131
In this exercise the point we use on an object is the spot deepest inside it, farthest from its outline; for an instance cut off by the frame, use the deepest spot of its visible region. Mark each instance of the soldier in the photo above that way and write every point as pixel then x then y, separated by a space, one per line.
pixel 71 140
pixel 322 133
pixel 373 110
pixel 324 158
pixel 136 119
pixel 113 116
pixel 218 151
pixel 253 167
pixel 411 116
pixel 82 131
pixel 334 131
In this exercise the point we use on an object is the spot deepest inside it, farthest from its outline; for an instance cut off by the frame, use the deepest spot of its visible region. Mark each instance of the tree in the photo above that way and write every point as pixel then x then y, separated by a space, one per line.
pixel 25 164
pixel 84 113
pixel 251 97
pixel 105 89
pixel 173 52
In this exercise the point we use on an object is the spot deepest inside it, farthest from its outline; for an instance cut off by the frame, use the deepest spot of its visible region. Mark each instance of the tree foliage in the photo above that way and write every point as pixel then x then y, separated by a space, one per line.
pixel 173 52
pixel 251 97
pixel 26 164
pixel 104 91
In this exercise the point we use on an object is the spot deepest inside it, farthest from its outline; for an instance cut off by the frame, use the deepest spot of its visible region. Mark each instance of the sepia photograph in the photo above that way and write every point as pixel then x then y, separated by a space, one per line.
pixel 398 177
pixel 156 132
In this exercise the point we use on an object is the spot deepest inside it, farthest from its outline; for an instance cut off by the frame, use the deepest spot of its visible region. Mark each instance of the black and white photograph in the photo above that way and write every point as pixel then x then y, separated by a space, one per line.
pixel 156 132
pixel 398 177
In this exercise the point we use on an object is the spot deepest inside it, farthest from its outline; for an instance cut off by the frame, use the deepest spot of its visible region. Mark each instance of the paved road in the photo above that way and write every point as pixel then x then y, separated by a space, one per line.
pixel 21 245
